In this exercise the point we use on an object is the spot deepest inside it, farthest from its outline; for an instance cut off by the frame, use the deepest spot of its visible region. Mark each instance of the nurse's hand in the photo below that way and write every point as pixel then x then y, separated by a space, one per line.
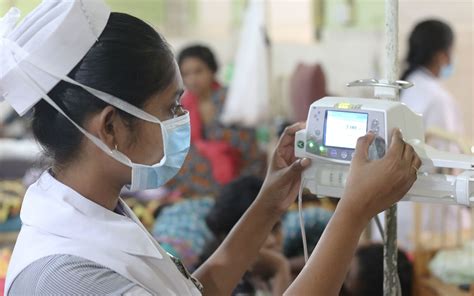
pixel 284 172
pixel 373 186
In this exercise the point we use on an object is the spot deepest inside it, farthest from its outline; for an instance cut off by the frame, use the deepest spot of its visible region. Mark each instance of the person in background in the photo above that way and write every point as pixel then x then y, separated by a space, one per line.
pixel 218 153
pixel 114 119
pixel 270 274
pixel 429 60
pixel 365 276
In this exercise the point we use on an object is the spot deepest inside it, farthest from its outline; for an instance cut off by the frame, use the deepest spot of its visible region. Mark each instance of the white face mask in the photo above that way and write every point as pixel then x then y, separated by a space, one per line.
pixel 176 136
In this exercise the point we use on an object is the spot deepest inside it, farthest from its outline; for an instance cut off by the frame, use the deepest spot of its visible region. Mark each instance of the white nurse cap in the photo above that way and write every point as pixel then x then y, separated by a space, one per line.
pixel 45 47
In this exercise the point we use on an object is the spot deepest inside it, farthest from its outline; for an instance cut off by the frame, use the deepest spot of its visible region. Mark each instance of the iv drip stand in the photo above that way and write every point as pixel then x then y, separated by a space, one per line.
pixel 390 269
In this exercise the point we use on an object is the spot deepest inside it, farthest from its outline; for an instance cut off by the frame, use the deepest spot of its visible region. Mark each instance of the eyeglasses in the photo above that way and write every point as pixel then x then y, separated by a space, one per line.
pixel 177 110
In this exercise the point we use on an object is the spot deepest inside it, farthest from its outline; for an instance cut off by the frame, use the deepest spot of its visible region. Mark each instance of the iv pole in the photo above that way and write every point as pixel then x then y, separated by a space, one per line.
pixel 390 269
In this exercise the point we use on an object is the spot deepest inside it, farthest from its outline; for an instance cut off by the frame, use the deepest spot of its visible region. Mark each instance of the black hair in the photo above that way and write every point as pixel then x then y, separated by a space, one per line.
pixel 427 38
pixel 200 52
pixel 130 60
pixel 370 273
pixel 231 203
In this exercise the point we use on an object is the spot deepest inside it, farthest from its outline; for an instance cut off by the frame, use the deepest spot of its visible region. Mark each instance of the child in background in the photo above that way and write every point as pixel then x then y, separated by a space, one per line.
pixel 270 274
pixel 365 276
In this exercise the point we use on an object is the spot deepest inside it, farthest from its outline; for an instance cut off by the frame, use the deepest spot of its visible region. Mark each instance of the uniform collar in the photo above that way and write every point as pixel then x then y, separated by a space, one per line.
pixel 427 72
pixel 57 209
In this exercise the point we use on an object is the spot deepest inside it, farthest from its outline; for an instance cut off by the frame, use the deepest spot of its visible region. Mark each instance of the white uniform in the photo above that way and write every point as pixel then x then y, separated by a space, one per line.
pixel 58 220
pixel 439 110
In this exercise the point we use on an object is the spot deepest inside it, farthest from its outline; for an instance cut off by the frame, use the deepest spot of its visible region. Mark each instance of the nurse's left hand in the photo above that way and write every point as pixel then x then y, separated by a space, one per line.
pixel 284 173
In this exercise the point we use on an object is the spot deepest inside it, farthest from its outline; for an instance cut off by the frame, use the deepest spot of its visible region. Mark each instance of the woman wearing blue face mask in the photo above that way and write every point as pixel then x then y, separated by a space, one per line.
pixel 105 93
pixel 429 59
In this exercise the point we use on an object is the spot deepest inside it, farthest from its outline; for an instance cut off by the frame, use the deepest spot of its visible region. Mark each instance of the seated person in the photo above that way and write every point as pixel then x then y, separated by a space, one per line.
pixel 218 153
pixel 270 273
pixel 365 276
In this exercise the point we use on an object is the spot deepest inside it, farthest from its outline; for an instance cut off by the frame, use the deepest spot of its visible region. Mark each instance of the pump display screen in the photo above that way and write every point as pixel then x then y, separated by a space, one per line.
pixel 342 128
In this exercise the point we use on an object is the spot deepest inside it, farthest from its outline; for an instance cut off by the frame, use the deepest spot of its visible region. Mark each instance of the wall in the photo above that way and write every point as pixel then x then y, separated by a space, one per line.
pixel 352 53
pixel 345 53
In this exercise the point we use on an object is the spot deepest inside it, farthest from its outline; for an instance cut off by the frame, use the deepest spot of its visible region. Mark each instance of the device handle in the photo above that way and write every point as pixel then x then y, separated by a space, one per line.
pixel 398 84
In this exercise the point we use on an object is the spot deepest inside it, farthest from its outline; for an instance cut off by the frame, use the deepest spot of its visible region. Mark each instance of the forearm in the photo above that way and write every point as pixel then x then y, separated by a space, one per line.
pixel 326 269
pixel 281 281
pixel 223 270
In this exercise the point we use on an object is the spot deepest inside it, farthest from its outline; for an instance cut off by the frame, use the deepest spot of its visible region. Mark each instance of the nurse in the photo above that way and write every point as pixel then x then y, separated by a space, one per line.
pixel 429 60
pixel 105 93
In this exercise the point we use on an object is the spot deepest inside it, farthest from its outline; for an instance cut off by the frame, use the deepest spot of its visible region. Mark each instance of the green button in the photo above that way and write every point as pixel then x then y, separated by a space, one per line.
pixel 300 144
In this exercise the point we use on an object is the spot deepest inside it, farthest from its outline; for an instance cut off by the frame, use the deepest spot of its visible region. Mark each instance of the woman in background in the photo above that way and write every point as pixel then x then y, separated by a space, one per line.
pixel 430 59
pixel 218 153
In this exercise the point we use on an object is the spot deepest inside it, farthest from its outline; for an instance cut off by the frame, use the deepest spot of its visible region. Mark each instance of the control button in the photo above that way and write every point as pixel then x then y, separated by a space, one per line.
pixel 318 132
pixel 380 147
pixel 333 153
pixel 323 151
pixel 344 154
pixel 311 146
pixel 375 122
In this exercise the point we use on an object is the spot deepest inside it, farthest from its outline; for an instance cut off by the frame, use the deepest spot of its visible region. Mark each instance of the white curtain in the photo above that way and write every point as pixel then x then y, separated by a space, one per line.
pixel 248 96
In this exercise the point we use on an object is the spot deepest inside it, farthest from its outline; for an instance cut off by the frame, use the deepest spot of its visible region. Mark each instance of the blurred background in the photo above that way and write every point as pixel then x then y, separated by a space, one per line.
pixel 344 36
pixel 286 54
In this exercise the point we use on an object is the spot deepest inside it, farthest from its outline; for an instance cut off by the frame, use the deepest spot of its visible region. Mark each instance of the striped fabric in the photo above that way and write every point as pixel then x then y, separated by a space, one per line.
pixel 69 275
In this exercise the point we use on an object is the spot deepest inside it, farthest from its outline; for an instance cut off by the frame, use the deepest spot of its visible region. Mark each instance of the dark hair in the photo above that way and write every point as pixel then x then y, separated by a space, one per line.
pixel 130 60
pixel 201 52
pixel 427 38
pixel 231 203
pixel 370 273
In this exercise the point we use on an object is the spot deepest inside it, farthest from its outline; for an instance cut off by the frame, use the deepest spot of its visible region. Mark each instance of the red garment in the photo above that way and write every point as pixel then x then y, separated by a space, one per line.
pixel 224 159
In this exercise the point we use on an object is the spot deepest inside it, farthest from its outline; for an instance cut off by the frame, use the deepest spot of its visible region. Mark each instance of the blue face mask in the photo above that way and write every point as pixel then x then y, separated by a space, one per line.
pixel 176 136
pixel 177 142
pixel 446 71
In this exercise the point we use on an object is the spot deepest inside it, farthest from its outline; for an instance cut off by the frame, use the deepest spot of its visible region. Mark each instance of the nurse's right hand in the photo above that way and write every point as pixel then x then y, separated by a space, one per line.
pixel 373 186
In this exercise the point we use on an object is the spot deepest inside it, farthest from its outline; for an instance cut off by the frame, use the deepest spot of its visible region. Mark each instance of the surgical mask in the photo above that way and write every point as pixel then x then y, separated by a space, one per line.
pixel 446 71
pixel 176 135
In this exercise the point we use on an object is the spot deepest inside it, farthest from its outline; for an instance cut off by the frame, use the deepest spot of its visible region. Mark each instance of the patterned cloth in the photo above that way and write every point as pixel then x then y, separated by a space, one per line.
pixel 195 177
pixel 182 231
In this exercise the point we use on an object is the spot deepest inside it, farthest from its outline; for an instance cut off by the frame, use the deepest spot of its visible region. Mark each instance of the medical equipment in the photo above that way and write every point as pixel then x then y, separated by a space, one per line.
pixel 335 123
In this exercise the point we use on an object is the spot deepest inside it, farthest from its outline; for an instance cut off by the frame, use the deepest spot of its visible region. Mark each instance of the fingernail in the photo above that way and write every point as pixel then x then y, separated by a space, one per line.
pixel 305 162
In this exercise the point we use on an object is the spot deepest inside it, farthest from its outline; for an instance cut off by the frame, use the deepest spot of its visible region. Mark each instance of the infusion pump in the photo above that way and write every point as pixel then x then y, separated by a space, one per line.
pixel 335 123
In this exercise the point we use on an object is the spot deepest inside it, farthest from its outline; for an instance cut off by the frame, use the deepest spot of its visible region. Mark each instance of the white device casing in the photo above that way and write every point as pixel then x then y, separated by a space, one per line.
pixel 327 176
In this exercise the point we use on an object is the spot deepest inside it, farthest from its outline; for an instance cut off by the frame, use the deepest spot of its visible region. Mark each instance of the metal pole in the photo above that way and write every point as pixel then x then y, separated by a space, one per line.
pixel 391 74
